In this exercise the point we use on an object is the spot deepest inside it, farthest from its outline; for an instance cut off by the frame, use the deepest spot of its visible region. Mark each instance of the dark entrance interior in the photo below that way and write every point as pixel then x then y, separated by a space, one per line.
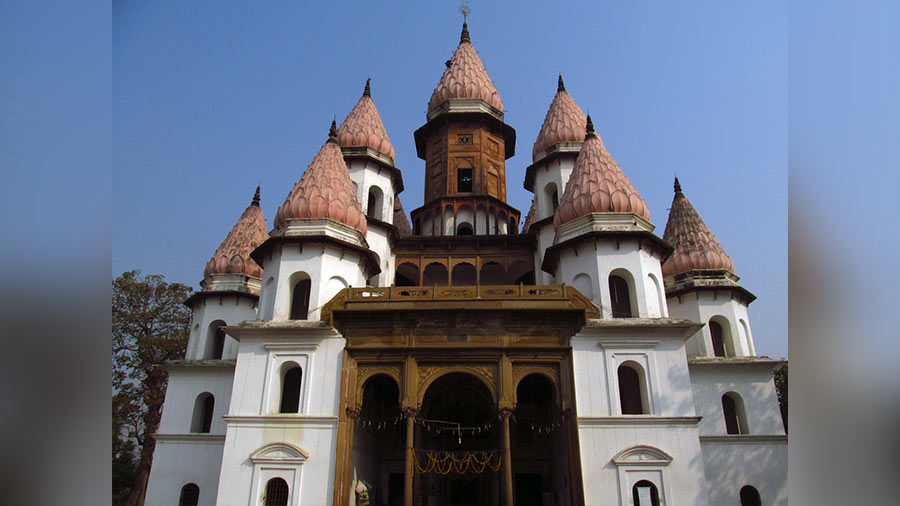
pixel 378 439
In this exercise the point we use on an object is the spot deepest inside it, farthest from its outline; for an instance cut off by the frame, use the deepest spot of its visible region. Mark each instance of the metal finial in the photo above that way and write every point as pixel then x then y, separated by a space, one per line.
pixel 465 10
pixel 464 37
pixel 560 85
pixel 677 187
pixel 589 127
pixel 255 201
pixel 332 132
pixel 368 91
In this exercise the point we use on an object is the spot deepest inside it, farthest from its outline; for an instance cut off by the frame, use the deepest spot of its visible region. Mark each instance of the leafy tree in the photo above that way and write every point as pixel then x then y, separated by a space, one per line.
pixel 781 386
pixel 149 326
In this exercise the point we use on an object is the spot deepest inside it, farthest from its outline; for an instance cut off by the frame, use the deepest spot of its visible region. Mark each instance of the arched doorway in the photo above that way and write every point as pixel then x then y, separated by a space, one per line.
pixel 378 442
pixel 457 444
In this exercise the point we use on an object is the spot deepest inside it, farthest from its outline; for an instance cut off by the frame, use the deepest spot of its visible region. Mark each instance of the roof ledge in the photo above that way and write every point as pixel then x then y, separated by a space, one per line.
pixel 602 222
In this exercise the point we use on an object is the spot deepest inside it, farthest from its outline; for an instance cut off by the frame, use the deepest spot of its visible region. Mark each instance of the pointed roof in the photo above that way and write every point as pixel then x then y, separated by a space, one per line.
pixel 363 127
pixel 529 218
pixel 324 190
pixel 597 185
pixel 695 246
pixel 233 255
pixel 564 122
pixel 465 77
pixel 400 220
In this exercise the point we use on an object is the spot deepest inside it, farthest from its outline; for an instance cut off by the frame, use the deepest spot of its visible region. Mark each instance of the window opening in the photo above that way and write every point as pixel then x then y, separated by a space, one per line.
pixel 718 340
pixel 464 180
pixel 618 292
pixel 750 496
pixel 276 492
pixel 190 495
pixel 630 391
pixel 218 343
pixel 290 391
pixel 645 493
pixel 300 300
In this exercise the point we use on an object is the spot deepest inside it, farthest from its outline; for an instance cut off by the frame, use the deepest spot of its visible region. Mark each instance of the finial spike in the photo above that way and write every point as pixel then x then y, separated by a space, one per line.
pixel 589 127
pixel 255 201
pixel 464 36
pixel 368 91
pixel 332 132
pixel 560 86
pixel 677 187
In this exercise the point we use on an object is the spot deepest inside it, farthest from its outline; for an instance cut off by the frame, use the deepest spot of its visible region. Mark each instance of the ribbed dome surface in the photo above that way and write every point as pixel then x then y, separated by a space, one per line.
pixel 400 220
pixel 564 122
pixel 324 190
pixel 597 185
pixel 363 127
pixel 695 246
pixel 529 218
pixel 233 255
pixel 465 78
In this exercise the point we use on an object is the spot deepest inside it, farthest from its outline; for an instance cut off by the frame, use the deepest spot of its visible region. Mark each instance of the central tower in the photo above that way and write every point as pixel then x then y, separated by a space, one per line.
pixel 465 144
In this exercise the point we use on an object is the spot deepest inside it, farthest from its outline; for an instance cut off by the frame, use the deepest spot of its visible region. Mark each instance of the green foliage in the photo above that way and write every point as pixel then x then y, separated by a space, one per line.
pixel 781 386
pixel 150 325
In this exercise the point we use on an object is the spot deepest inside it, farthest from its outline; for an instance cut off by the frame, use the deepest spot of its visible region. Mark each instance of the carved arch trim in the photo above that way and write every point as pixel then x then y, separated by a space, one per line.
pixel 549 371
pixel 428 374
pixel 365 372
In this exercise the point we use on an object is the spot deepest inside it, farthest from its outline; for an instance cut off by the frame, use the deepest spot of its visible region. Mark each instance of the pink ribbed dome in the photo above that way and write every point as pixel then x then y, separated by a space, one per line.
pixel 597 185
pixel 465 77
pixel 564 122
pixel 695 245
pixel 233 255
pixel 324 190
pixel 363 127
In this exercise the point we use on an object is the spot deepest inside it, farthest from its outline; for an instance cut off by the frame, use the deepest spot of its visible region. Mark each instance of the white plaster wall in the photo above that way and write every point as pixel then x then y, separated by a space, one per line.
pixel 287 259
pixel 228 308
pixel 700 306
pixel 185 384
pixel 730 466
pixel 367 174
pixel 595 362
pixel 599 257
pixel 377 238
pixel 684 480
pixel 175 464
pixel 545 237
pixel 555 171
pixel 755 386
pixel 313 429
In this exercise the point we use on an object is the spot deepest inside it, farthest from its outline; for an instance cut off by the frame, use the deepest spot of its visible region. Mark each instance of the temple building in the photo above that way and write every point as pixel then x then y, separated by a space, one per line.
pixel 468 355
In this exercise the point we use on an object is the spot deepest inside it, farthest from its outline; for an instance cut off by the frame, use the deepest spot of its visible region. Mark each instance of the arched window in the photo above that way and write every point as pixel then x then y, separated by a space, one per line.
pixel 750 496
pixel 463 275
pixel 190 495
pixel 645 493
pixel 218 343
pixel 718 340
pixel 552 196
pixel 492 273
pixel 290 390
pixel 620 298
pixel 735 417
pixel 300 299
pixel 375 203
pixel 434 274
pixel 203 413
pixel 276 492
pixel 631 389
pixel 407 275
pixel 464 229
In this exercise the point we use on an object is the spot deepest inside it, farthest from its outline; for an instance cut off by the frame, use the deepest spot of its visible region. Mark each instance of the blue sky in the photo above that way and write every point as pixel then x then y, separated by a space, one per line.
pixel 211 98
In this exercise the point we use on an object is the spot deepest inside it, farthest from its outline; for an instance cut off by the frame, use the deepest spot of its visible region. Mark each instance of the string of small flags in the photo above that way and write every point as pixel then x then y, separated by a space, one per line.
pixel 542 429
pixel 378 424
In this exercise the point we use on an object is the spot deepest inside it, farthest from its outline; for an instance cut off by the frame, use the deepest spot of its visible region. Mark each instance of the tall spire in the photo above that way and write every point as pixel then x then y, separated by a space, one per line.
pixel 332 132
pixel 560 85
pixel 363 127
pixel 696 248
pixel 464 36
pixel 233 255
pixel 564 122
pixel 368 91
pixel 255 201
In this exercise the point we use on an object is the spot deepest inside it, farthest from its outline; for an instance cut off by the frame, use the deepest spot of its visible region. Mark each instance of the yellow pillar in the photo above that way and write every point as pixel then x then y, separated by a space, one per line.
pixel 409 469
pixel 506 489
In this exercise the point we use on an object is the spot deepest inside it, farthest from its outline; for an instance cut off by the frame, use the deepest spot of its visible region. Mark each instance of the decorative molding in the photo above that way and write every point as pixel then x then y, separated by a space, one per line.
pixel 618 344
pixel 189 438
pixel 308 345
pixel 600 421
pixel 279 453
pixel 642 455
pixel 746 439
pixel 279 420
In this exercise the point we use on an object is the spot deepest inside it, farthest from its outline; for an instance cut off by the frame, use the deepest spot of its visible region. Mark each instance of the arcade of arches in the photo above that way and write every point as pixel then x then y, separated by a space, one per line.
pixel 451 410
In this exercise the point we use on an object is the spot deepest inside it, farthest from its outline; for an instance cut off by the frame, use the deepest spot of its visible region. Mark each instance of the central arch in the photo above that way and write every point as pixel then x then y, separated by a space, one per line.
pixel 457 422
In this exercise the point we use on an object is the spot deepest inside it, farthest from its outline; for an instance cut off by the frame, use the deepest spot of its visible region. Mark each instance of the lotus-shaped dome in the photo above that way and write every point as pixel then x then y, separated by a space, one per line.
pixel 233 255
pixel 363 127
pixel 465 77
pixel 695 246
pixel 324 190
pixel 564 122
pixel 597 185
